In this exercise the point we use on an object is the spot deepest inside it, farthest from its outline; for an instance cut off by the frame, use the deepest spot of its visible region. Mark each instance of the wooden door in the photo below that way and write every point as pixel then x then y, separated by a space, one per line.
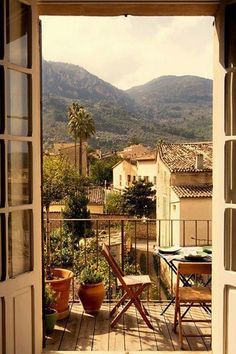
pixel 20 206
pixel 224 205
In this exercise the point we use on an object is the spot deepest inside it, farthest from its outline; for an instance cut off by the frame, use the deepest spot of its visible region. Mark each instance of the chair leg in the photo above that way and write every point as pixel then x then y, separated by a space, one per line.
pixel 176 313
pixel 117 305
pixel 180 329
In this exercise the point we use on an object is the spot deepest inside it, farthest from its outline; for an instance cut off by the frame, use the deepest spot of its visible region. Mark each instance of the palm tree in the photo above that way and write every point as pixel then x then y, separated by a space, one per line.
pixel 81 126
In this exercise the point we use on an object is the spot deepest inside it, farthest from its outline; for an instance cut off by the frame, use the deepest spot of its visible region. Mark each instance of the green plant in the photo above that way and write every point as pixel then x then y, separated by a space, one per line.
pixel 50 297
pixel 90 275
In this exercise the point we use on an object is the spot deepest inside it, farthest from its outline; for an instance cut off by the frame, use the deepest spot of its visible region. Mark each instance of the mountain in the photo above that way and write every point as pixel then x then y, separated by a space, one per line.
pixel 148 112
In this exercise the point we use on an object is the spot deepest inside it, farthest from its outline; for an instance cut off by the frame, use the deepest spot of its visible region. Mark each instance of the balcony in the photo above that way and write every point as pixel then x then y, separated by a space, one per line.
pixel 132 243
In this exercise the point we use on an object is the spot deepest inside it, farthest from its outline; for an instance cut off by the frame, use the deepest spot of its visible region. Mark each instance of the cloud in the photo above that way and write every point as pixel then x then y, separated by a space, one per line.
pixel 133 50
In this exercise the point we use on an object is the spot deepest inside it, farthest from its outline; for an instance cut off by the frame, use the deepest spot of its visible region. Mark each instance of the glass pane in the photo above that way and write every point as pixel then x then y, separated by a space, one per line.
pixel 2 174
pixel 230 36
pixel 1 29
pixel 230 171
pixel 230 103
pixel 19 242
pixel 2 111
pixel 19 173
pixel 18 105
pixel 19 33
pixel 230 239
pixel 2 248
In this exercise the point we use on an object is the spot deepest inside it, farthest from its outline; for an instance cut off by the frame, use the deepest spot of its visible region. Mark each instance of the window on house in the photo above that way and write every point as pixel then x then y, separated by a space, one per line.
pixel 129 178
pixel 155 180
pixel 120 178
pixel 134 179
pixel 146 179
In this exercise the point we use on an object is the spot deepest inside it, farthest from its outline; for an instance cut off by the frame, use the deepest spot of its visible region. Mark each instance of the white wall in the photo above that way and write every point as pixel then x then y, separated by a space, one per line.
pixel 120 175
pixel 147 168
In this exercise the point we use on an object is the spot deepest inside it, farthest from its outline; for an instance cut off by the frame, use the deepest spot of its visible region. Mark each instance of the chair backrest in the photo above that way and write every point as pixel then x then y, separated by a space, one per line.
pixel 112 263
pixel 194 268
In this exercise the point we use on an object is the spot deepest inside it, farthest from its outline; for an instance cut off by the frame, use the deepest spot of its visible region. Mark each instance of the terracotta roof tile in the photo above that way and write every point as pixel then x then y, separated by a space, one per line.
pixel 203 191
pixel 182 157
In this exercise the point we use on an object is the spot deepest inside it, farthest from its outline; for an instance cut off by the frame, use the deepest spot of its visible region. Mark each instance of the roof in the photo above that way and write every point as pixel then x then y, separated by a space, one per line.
pixel 182 157
pixel 132 162
pixel 193 191
pixel 134 151
pixel 147 157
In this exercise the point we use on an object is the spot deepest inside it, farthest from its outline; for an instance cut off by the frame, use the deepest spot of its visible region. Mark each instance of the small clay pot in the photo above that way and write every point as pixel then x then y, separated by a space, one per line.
pixel 50 320
pixel 91 297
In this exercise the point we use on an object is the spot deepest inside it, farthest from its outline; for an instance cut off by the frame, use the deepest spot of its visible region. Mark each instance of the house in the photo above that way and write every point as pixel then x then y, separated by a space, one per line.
pixel 184 179
pixel 21 291
pixel 124 174
pixel 146 168
pixel 134 151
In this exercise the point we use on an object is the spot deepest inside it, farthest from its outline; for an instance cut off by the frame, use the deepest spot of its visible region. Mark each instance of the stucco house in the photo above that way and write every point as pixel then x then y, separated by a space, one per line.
pixel 124 174
pixel 146 168
pixel 184 179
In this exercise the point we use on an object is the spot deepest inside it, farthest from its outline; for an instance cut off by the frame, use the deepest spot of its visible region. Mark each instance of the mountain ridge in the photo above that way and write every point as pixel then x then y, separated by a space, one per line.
pixel 149 111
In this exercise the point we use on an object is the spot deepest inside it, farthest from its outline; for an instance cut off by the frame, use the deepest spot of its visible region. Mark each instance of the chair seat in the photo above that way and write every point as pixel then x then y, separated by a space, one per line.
pixel 197 294
pixel 132 280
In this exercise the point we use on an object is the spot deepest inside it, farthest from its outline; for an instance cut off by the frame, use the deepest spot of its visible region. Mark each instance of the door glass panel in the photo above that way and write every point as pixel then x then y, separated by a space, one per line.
pixel 19 33
pixel 18 107
pixel 230 36
pixel 19 173
pixel 19 242
pixel 230 239
pixel 1 29
pixel 230 103
pixel 230 171
pixel 2 113
pixel 2 248
pixel 2 174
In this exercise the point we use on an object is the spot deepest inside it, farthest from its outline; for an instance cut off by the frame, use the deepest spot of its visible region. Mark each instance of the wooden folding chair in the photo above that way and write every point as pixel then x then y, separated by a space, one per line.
pixel 132 285
pixel 191 296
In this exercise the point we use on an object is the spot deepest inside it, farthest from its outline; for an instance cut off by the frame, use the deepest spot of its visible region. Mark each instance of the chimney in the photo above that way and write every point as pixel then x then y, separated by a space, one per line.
pixel 199 162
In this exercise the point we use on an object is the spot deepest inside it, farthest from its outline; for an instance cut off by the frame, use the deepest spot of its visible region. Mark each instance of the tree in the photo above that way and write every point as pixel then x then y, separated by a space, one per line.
pixel 114 203
pixel 58 176
pixel 81 126
pixel 139 199
pixel 101 170
pixel 76 207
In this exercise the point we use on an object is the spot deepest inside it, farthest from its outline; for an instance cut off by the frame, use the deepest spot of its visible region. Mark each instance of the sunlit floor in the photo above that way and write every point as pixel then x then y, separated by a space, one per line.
pixel 83 332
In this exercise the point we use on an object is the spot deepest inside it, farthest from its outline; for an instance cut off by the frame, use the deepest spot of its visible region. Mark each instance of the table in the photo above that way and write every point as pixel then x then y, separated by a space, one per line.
pixel 172 258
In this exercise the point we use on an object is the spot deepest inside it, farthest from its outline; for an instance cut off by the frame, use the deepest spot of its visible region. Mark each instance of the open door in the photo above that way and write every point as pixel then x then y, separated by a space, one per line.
pixel 224 206
pixel 20 206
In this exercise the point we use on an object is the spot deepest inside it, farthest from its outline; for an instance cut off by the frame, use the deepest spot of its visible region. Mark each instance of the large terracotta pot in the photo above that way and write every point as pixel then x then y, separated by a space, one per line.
pixel 61 285
pixel 91 296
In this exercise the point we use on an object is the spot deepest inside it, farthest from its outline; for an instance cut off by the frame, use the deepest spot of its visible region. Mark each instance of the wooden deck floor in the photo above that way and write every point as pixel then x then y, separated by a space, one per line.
pixel 83 332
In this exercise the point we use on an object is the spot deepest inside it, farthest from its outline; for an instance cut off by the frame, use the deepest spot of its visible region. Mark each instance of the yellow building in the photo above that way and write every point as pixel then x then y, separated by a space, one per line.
pixel 184 193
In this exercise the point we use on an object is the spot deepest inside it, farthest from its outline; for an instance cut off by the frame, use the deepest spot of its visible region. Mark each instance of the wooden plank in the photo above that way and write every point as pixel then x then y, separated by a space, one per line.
pixel 54 339
pixel 168 318
pixel 148 339
pixel 72 328
pixel 116 335
pixel 163 336
pixel 131 330
pixel 101 331
pixel 86 332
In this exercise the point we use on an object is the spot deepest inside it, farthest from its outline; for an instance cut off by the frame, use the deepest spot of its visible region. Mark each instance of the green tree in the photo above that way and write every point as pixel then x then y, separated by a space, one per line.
pixel 58 177
pixel 139 199
pixel 114 203
pixel 81 126
pixel 101 170
pixel 76 207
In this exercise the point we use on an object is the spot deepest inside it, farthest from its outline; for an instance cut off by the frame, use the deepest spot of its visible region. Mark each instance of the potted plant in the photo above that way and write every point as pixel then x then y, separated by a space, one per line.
pixel 50 298
pixel 91 289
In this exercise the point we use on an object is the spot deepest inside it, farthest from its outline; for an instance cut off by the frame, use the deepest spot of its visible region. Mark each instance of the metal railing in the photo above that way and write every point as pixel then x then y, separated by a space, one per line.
pixel 75 243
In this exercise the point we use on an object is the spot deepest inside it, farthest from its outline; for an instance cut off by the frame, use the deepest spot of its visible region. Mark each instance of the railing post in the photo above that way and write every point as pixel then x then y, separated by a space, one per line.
pixel 135 244
pixel 97 243
pixel 184 233
pixel 195 232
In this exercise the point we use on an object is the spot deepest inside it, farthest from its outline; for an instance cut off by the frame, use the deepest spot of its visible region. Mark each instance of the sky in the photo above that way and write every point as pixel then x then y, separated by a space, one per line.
pixel 130 51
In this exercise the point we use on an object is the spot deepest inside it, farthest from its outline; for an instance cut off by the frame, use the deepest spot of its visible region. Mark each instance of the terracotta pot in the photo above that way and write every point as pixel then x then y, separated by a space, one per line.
pixel 61 285
pixel 91 296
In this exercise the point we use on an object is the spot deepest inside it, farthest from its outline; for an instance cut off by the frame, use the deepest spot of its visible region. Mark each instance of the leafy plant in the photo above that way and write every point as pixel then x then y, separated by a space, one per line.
pixel 50 297
pixel 90 275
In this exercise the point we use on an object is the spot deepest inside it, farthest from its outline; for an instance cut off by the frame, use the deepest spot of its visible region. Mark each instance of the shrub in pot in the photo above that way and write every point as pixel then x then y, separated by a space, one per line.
pixel 91 289
pixel 50 298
